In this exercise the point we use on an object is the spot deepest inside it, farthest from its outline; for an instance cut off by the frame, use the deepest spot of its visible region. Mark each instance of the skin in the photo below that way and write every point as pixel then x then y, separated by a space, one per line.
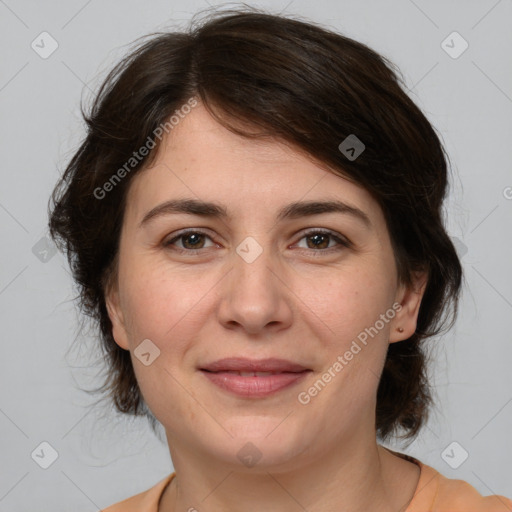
pixel 295 301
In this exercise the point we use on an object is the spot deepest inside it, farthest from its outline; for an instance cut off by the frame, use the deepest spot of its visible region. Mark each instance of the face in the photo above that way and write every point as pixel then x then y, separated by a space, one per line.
pixel 308 286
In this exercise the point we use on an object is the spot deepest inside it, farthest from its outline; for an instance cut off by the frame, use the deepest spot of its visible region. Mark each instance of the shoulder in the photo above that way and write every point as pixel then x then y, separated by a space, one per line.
pixel 437 493
pixel 146 501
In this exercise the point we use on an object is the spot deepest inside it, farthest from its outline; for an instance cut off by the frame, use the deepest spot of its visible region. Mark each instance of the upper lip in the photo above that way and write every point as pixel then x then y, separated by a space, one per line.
pixel 253 365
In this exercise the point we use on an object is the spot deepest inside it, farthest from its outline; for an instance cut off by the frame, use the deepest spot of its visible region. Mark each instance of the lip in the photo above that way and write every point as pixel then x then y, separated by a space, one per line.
pixel 244 364
pixel 255 386
pixel 223 373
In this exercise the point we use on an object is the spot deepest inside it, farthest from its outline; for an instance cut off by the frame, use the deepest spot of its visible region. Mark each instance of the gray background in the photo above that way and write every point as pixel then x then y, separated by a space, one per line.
pixel 103 458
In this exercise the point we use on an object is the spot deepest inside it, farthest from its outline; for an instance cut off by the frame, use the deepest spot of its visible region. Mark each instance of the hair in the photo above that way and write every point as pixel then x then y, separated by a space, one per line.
pixel 265 75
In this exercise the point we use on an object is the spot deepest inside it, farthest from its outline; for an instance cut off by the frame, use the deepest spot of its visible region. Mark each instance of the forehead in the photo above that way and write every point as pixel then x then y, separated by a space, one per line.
pixel 200 158
pixel 200 138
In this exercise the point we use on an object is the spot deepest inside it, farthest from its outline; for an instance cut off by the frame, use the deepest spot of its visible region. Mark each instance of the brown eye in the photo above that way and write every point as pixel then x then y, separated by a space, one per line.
pixel 320 239
pixel 190 241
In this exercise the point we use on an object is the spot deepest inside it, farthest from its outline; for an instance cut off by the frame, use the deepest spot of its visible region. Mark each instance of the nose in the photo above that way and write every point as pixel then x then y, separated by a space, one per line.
pixel 255 295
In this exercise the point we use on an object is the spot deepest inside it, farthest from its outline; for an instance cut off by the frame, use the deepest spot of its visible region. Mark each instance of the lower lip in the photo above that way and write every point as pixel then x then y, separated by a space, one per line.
pixel 255 386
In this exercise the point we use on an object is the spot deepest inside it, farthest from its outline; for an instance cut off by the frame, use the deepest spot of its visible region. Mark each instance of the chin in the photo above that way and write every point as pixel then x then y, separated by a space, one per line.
pixel 263 442
pixel 266 429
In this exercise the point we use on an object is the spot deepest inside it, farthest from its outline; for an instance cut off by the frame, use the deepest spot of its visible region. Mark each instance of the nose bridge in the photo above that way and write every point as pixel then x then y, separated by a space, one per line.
pixel 250 250
pixel 253 264
pixel 254 296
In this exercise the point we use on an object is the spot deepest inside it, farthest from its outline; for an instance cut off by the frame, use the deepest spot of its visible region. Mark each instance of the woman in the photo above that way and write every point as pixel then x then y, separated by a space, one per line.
pixel 254 220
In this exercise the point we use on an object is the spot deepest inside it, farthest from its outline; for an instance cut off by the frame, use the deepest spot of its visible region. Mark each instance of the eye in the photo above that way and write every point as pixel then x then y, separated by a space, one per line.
pixel 191 240
pixel 319 239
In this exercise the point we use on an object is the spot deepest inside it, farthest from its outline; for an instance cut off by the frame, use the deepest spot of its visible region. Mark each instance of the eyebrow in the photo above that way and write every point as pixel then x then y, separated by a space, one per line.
pixel 291 211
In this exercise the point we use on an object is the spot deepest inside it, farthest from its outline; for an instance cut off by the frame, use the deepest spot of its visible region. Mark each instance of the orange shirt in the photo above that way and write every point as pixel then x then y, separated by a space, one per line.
pixel 434 493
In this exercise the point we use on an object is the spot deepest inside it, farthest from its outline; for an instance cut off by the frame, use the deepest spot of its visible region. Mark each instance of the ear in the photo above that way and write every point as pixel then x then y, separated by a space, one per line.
pixel 410 300
pixel 116 317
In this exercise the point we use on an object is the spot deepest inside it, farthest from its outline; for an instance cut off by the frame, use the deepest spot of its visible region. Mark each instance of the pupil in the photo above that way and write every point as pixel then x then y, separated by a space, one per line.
pixel 317 239
pixel 193 236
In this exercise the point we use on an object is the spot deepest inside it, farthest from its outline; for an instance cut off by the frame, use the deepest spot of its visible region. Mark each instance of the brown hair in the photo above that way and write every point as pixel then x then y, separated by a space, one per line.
pixel 307 86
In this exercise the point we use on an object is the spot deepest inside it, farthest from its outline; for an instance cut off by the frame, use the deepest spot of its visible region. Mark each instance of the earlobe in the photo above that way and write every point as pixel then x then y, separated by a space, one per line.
pixel 117 319
pixel 405 321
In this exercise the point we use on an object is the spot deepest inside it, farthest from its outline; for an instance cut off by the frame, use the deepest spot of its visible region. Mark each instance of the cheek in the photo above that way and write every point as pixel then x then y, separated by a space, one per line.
pixel 357 343
pixel 149 296
pixel 164 304
pixel 347 302
pixel 163 309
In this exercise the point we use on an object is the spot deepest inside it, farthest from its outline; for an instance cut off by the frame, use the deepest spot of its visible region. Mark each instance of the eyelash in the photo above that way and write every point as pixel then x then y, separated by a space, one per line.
pixel 343 243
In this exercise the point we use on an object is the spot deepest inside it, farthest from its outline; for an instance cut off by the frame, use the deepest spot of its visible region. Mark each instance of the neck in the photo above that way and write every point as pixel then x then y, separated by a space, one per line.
pixel 356 477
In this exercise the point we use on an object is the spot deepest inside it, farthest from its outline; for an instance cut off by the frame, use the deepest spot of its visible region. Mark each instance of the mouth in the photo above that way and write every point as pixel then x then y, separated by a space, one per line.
pixel 250 374
pixel 262 367
pixel 252 383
